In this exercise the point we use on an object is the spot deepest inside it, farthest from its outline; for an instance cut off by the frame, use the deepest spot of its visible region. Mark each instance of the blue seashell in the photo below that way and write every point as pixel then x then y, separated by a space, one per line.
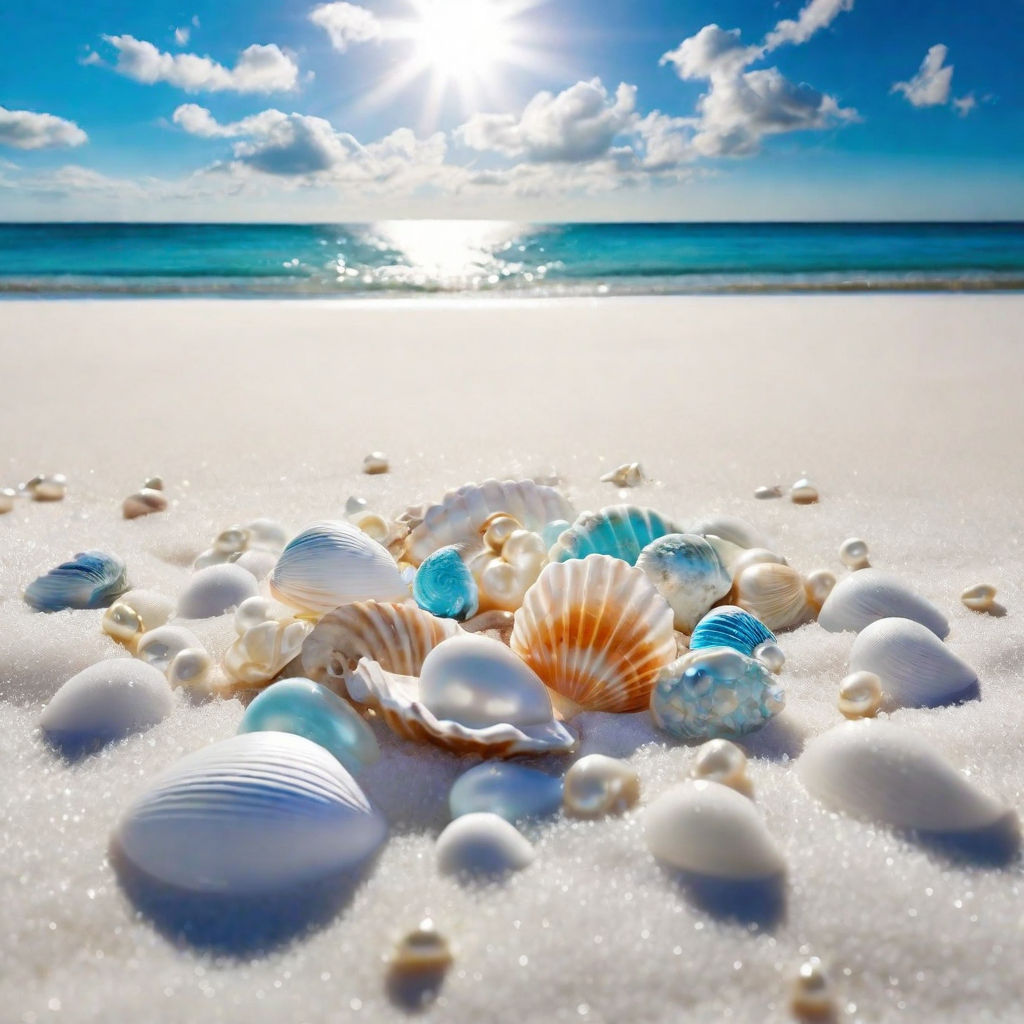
pixel 92 579
pixel 509 790
pixel 622 531
pixel 305 708
pixel 552 531
pixel 729 626
pixel 445 587
pixel 715 692
pixel 688 572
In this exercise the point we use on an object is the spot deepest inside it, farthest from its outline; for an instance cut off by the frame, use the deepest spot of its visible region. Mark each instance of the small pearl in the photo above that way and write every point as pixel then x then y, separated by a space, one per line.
pixel 122 622
pixel 722 761
pixel 375 462
pixel 854 553
pixel 526 551
pixel 860 695
pixel 356 504
pixel 766 492
pixel 143 503
pixel 190 668
pixel 980 597
pixel 498 529
pixel 811 996
pixel 818 585
pixel 803 492
pixel 596 786
pixel 770 655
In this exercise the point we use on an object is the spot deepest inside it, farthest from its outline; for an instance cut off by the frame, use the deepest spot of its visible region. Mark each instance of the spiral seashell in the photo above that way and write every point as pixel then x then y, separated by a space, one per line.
pixel 482 845
pixel 774 594
pixel 144 503
pixel 621 531
pixel 397 636
pixel 730 528
pixel 884 772
pixel 867 595
pixel 597 786
pixel 596 632
pixel 729 626
pixel 688 572
pixel 92 579
pixel 335 563
pixel 514 792
pixel 915 667
pixel 215 590
pixel 445 587
pixel 259 813
pixel 710 830
pixel 262 651
pixel 461 513
pixel 630 474
pixel 134 613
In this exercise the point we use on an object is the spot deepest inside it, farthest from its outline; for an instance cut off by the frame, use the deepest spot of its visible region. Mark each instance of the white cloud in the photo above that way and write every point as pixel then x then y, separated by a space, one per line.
pixel 25 129
pixel 667 141
pixel 346 24
pixel 259 69
pixel 965 104
pixel 818 14
pixel 575 126
pixel 182 35
pixel 930 86
pixel 712 53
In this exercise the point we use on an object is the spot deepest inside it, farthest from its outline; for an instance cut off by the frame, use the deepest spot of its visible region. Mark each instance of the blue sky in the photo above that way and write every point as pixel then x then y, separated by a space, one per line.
pixel 624 109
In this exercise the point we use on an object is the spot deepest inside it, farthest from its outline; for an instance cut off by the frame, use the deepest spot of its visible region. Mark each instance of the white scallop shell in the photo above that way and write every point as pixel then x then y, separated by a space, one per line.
pixel 774 594
pixel 482 844
pixel 915 667
pixel 867 595
pixel 214 590
pixel 708 829
pixel 262 651
pixel 461 513
pixel 882 771
pixel 335 563
pixel 258 813
pixel 596 632
pixel 106 701
pixel 396 636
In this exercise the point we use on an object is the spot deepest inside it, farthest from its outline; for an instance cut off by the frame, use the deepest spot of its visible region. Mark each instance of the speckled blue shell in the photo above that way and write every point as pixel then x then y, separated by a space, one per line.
pixel 622 531
pixel 445 587
pixel 92 579
pixel 729 626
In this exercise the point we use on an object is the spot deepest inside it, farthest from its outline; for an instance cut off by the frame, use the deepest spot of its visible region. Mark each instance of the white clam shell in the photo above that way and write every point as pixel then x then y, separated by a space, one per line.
pixel 261 812
pixel 915 667
pixel 688 572
pixel 884 772
pixel 867 595
pixel 214 590
pixel 773 593
pixel 105 702
pixel 335 563
pixel 461 513
pixel 482 845
pixel 710 830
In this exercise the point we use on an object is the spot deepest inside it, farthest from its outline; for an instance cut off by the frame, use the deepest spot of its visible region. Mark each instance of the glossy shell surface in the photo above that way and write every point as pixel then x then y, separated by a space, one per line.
pixel 867 595
pixel 92 579
pixel 688 572
pixel 730 626
pixel 621 531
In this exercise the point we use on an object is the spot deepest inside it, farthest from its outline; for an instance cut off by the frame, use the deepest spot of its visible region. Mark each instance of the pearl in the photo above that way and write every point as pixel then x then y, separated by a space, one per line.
pixel 721 761
pixel 818 585
pixel 803 492
pixel 498 529
pixel 190 669
pixel 771 656
pixel 980 597
pixel 375 462
pixel 860 695
pixel 854 553
pixel 356 504
pixel 596 786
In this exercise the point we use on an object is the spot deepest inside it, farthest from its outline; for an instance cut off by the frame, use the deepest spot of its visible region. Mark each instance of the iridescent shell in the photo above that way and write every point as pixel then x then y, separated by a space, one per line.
pixel 335 563
pixel 688 572
pixel 621 531
pixel 729 626
pixel 773 593
pixel 461 513
pixel 597 632
pixel 396 636
pixel 92 579
pixel 867 595
pixel 260 653
pixel 445 587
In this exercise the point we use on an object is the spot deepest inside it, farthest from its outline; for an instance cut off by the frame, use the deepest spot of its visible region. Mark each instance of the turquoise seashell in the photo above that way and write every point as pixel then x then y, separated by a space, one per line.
pixel 622 531
pixel 715 692
pixel 688 572
pixel 92 579
pixel 305 708
pixel 552 531
pixel 445 587
pixel 511 791
pixel 729 626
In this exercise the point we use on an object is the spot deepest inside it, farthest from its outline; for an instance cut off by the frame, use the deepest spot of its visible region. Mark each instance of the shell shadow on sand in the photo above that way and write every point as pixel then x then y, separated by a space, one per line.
pixel 759 903
pixel 996 846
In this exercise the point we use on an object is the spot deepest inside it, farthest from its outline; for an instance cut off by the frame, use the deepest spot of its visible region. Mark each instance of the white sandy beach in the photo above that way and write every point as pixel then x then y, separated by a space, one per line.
pixel 905 410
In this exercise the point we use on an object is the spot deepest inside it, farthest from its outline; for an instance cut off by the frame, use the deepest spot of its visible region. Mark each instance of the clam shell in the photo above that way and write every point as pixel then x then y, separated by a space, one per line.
pixel 461 513
pixel 258 813
pixel 884 772
pixel 397 636
pixel 867 595
pixel 734 530
pixel 688 572
pixel 622 531
pixel 915 667
pixel 445 587
pixel 710 830
pixel 105 702
pixel 214 590
pixel 482 845
pixel 729 626
pixel 774 594
pixel 335 563
pixel 263 650
pixel 92 579
pixel 596 632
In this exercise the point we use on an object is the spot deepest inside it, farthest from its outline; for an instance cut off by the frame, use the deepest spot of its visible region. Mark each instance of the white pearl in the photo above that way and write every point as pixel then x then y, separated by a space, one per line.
pixel 854 553
pixel 860 695
pixel 498 529
pixel 190 668
pixel 722 761
pixel 818 586
pixel 980 597
pixel 771 656
pixel 597 785
pixel 375 462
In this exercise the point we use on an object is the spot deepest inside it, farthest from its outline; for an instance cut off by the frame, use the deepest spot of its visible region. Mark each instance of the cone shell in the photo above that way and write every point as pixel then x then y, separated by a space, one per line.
pixel 397 636
pixel 596 632
pixel 461 513
pixel 774 594
pixel 867 595
pixel 622 531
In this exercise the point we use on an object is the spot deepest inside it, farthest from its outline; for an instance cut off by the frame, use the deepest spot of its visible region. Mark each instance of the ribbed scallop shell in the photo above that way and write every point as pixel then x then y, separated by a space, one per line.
pixel 92 579
pixel 883 771
pixel 773 593
pixel 729 626
pixel 621 531
pixel 868 595
pixel 397 636
pixel 335 563
pixel 258 813
pixel 396 698
pixel 597 632
pixel 461 513
pixel 916 668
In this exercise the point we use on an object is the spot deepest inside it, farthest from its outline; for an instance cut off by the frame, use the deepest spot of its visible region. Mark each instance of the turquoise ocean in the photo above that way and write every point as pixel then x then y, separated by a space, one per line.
pixel 399 258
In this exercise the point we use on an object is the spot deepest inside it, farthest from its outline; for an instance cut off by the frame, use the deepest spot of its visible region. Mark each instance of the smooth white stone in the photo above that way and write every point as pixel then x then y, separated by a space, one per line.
pixel 215 590
pixel 482 845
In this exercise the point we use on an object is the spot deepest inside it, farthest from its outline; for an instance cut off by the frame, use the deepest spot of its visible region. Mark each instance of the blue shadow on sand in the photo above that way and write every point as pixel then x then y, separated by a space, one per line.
pixel 996 846
pixel 760 903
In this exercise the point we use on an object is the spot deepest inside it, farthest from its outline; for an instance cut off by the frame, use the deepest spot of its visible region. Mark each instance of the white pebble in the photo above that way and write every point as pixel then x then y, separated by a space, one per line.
pixel 854 553
pixel 48 488
pixel 481 845
pixel 375 462
pixel 215 590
